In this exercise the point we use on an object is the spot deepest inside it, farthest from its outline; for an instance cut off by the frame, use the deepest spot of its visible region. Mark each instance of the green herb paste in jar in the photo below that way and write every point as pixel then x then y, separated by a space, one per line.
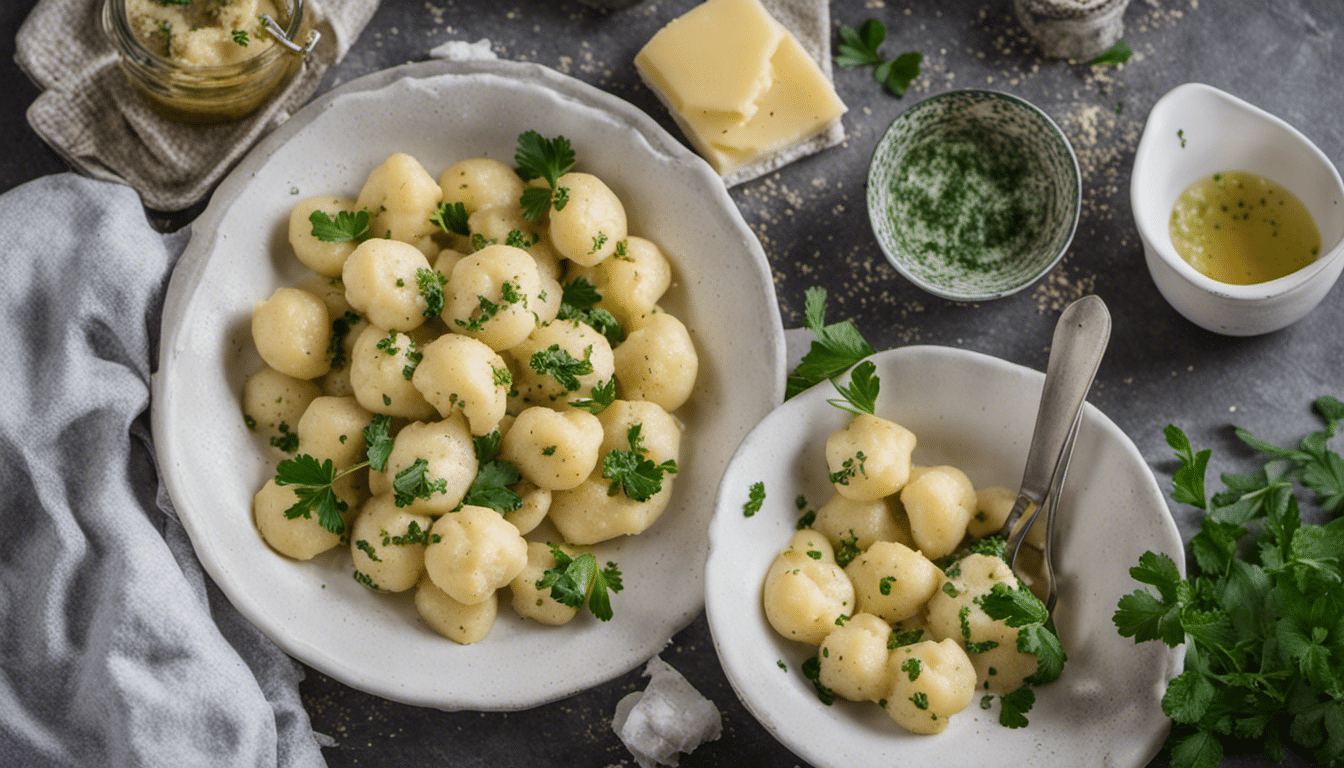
pixel 968 198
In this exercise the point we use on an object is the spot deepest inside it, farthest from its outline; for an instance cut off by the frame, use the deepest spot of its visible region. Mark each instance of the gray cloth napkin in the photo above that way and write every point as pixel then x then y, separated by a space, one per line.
pixel 115 649
pixel 90 115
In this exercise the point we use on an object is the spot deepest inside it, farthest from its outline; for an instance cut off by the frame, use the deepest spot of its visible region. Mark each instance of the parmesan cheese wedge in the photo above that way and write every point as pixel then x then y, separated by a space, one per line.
pixel 740 86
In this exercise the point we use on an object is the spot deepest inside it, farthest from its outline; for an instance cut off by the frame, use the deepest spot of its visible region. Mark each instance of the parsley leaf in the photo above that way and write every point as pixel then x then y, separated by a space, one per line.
pixel 575 580
pixel 413 483
pixel 602 396
pixel 861 394
pixel 859 48
pixel 1114 56
pixel 490 488
pixel 837 348
pixel 431 282
pixel 312 483
pixel 1261 611
pixel 346 227
pixel 630 471
pixel 755 498
pixel 451 219
pixel 542 158
pixel 578 301
pixel 562 366
pixel 1014 707
pixel 380 442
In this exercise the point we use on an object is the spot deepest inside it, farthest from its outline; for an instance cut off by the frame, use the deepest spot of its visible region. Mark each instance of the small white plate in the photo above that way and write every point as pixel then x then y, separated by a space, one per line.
pixel 976 413
pixel 441 112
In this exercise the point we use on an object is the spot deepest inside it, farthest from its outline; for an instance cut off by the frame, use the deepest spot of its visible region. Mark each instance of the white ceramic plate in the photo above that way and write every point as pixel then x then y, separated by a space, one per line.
pixel 974 412
pixel 441 112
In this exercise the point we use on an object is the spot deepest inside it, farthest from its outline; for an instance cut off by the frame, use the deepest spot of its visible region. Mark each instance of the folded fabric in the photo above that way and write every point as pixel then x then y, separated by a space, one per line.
pixel 89 113
pixel 117 650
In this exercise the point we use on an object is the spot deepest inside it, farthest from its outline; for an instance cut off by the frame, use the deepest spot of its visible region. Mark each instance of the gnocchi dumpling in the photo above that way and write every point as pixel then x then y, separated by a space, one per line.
pixel 554 450
pixel 459 373
pixel 400 197
pixel 381 368
pixel 658 363
pixel 535 503
pixel 930 682
pixel 633 279
pixel 387 545
pixel 561 361
pixel 325 257
pixel 292 333
pixel 939 502
pixel 864 522
pixel 382 283
pixel 854 658
pixel 450 463
pixel 491 296
pixel 301 537
pixel 955 613
pixel 591 223
pixel 805 591
pixel 273 403
pixel 480 182
pixel 459 622
pixel 332 428
pixel 893 581
pixel 870 457
pixel 473 552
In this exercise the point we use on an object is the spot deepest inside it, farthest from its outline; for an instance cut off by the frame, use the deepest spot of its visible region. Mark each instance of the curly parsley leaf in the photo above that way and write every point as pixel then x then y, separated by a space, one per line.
pixel 755 498
pixel 562 366
pixel 578 302
pixel 540 158
pixel 413 483
pixel 575 580
pixel 312 481
pixel 632 472
pixel 837 348
pixel 346 227
pixel 431 282
pixel 451 219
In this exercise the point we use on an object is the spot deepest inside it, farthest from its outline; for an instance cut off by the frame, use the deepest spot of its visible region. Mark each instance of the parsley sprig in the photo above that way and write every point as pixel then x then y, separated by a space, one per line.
pixel 451 219
pixel 575 580
pixel 346 227
pixel 1262 612
pixel 578 301
pixel 490 488
pixel 837 348
pixel 312 480
pixel 632 471
pixel 540 158
pixel 559 364
pixel 859 48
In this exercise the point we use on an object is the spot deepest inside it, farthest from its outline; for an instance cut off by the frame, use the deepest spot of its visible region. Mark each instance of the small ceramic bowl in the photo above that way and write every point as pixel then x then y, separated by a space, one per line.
pixel 1196 130
pixel 973 194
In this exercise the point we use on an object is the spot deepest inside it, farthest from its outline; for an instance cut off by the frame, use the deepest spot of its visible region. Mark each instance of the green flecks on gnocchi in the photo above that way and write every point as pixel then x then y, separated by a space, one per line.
pixel 454 423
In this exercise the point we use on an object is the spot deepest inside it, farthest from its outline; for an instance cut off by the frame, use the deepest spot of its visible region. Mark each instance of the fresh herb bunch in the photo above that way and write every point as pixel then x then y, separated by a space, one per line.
pixel 1262 613
pixel 575 580
pixel 540 158
pixel 859 47
pixel 837 348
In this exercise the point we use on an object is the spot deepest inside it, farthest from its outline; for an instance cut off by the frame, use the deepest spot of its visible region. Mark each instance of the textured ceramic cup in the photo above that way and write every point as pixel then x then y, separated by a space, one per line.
pixel 1196 130
pixel 973 194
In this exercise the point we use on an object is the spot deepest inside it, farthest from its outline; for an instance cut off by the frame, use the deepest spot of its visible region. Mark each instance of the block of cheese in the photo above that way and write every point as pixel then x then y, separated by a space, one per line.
pixel 739 85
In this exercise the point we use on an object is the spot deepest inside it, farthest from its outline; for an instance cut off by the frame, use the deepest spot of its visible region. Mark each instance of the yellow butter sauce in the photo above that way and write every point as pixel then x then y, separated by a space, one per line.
pixel 1241 228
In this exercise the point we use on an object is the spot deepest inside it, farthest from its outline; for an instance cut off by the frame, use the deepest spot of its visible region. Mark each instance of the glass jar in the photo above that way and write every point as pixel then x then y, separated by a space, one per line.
pixel 207 93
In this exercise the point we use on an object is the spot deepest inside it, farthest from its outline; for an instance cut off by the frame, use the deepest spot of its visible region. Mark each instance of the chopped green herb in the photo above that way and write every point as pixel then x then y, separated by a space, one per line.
pixel 346 227
pixel 431 282
pixel 632 472
pixel 1114 56
pixel 451 219
pixel 755 498
pixel 562 366
pixel 547 159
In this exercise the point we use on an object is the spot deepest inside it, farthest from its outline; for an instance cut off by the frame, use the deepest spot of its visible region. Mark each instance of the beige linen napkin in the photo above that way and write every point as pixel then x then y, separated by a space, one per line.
pixel 90 115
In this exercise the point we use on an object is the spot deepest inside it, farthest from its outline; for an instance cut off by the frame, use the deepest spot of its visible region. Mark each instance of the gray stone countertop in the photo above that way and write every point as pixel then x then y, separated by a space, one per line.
pixel 1286 57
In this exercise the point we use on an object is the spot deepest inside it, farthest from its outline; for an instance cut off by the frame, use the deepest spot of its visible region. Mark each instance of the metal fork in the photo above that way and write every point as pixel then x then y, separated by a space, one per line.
pixel 1079 341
